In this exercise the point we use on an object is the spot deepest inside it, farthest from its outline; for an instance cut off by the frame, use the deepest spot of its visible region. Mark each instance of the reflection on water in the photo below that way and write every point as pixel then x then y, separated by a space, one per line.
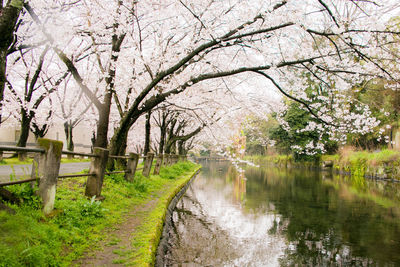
pixel 272 217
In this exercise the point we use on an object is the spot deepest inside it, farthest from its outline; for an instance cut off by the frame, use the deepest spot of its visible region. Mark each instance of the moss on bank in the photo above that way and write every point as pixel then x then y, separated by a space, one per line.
pixel 78 224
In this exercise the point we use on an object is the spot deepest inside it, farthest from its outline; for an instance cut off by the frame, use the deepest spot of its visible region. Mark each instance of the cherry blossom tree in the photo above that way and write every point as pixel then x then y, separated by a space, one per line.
pixel 148 51
pixel 31 88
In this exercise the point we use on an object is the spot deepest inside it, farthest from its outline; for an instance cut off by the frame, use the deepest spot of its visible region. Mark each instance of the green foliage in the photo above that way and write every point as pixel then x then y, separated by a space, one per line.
pixel 15 161
pixel 297 119
pixel 141 183
pixel 27 193
pixel 17 3
pixel 173 171
pixel 384 104
pixel 79 213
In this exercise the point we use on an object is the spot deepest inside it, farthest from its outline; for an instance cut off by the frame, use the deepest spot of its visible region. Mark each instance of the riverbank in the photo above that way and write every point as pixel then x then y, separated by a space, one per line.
pixel 384 164
pixel 123 229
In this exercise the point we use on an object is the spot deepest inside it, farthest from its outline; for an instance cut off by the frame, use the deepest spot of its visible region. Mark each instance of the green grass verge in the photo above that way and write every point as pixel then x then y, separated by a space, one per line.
pixel 15 161
pixel 146 239
pixel 78 224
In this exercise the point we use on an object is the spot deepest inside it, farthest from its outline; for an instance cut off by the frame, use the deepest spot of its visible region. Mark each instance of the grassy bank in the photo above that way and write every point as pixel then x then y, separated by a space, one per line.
pixel 16 161
pixel 381 164
pixel 78 224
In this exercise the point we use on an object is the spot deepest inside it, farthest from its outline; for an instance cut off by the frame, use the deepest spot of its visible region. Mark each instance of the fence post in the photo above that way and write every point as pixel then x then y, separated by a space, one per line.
pixel 22 156
pixel 1 155
pixel 147 164
pixel 175 159
pixel 48 167
pixel 165 159
pixel 159 162
pixel 94 182
pixel 131 166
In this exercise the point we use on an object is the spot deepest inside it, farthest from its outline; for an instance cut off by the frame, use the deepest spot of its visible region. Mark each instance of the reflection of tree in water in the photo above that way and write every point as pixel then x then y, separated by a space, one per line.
pixel 322 226
pixel 239 183
pixel 195 239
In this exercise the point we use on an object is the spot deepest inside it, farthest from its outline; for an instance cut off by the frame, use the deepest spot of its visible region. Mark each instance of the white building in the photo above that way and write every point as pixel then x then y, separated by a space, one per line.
pixel 9 135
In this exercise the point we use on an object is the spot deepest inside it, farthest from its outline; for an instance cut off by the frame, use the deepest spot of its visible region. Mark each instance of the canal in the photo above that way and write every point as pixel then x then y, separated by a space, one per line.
pixel 272 216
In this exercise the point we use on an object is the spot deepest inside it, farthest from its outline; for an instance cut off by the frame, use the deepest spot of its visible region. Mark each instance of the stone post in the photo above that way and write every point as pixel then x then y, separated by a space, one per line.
pixel 159 162
pixel 175 159
pixel 97 168
pixel 48 167
pixel 165 159
pixel 133 161
pixel 147 164
pixel 22 156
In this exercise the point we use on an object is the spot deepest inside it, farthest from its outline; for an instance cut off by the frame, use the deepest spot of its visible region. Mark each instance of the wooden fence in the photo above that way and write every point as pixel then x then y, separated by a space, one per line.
pixel 46 166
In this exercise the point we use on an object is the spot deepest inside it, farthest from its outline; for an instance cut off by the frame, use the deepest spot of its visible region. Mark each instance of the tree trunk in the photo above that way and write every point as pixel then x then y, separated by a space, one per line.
pixel 170 147
pixel 3 64
pixel 117 146
pixel 102 126
pixel 24 134
pixel 8 19
pixel 25 127
pixel 68 129
pixel 163 133
pixel 118 142
pixel 181 147
pixel 147 135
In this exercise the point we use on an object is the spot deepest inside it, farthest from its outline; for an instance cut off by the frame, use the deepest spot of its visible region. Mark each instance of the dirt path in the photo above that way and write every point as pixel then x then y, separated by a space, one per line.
pixel 118 243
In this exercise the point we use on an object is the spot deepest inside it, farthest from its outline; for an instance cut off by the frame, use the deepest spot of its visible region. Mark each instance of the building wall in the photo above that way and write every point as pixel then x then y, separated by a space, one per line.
pixel 81 135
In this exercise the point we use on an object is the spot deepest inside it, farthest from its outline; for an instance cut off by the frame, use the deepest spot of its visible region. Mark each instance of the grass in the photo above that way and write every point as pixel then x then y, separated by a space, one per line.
pixel 78 224
pixel 374 158
pixel 15 161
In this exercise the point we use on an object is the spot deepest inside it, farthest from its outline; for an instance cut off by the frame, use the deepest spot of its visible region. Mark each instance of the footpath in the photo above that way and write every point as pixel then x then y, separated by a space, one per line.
pixel 127 243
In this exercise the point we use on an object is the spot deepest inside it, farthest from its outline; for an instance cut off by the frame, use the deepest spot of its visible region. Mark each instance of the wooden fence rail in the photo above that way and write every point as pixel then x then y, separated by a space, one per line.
pixel 46 165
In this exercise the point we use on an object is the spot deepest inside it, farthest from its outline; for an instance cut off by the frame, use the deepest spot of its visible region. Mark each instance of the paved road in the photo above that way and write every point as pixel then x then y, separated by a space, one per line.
pixel 24 171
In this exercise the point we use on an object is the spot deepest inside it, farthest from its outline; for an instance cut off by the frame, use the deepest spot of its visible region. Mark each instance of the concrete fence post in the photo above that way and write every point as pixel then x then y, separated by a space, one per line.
pixel 48 166
pixel 165 159
pixel 176 157
pixel 133 161
pixel 97 169
pixel 159 163
pixel 147 164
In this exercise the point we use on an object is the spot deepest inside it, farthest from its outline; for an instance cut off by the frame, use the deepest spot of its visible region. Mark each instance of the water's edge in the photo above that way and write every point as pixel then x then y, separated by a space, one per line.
pixel 163 244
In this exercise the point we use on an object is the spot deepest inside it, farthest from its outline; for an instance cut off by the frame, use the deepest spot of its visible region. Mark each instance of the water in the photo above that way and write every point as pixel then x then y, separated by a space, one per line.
pixel 279 217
